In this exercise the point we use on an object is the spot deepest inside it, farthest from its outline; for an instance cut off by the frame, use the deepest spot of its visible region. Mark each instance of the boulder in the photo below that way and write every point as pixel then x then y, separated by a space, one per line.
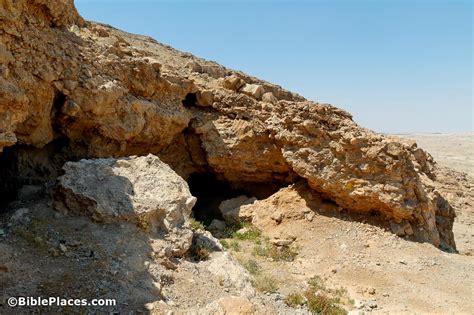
pixel 28 192
pixel 233 82
pixel 269 98
pixel 143 190
pixel 230 209
pixel 7 139
pixel 205 98
pixel 253 90
pixel 216 225
pixel 224 266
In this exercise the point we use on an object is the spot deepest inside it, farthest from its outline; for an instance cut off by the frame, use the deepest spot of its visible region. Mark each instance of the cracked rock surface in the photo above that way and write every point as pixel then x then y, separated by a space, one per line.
pixel 111 93
pixel 142 190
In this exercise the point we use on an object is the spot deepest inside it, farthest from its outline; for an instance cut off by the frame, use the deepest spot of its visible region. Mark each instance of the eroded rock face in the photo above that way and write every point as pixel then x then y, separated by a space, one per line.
pixel 110 93
pixel 137 189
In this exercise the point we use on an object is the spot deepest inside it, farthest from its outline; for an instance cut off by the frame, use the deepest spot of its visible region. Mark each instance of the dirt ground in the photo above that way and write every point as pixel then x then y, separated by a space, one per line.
pixel 382 273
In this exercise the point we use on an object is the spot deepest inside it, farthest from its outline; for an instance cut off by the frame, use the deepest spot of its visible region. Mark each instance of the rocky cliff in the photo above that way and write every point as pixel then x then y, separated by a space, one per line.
pixel 102 92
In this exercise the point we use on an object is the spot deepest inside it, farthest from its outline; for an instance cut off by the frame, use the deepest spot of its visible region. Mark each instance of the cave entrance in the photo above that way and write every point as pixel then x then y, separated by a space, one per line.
pixel 190 100
pixel 210 192
pixel 22 165
pixel 9 181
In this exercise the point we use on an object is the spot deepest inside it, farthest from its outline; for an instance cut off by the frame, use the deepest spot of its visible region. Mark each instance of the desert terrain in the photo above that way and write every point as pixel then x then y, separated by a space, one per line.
pixel 133 172
pixel 453 150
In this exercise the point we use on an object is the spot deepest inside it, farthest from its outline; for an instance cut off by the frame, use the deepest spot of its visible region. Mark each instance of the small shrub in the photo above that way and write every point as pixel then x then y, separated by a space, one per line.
pixel 295 300
pixel 231 229
pixel 225 244
pixel 284 253
pixel 343 296
pixel 142 223
pixel 265 284
pixel 199 253
pixel 234 245
pixel 323 304
pixel 319 299
pixel 252 266
pixel 196 225
pixel 261 250
pixel 31 238
pixel 317 283
pixel 251 233
pixel 340 292
pixel 166 279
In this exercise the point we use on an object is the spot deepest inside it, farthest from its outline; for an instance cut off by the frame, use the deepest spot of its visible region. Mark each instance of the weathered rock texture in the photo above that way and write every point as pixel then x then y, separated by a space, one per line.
pixel 138 189
pixel 110 93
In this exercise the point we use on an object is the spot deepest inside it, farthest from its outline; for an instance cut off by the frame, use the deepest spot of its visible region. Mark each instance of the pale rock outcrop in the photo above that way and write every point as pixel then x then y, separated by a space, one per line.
pixel 205 98
pixel 230 209
pixel 269 98
pixel 137 189
pixel 253 90
pixel 224 266
pixel 232 82
pixel 110 93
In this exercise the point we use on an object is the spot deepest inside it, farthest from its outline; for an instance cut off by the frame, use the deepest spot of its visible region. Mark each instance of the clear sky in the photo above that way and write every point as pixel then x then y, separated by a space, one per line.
pixel 397 66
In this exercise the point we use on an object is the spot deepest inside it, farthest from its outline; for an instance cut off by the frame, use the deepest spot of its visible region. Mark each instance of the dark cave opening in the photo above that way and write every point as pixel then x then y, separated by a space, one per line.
pixel 58 102
pixel 9 183
pixel 190 100
pixel 210 192
pixel 22 165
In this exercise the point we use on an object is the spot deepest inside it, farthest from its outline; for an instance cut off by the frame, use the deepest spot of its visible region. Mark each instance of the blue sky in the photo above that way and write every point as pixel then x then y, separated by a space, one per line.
pixel 397 66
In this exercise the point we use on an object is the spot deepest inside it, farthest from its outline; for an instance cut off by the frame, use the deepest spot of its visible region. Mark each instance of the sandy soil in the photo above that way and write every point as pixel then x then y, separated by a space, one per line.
pixel 383 273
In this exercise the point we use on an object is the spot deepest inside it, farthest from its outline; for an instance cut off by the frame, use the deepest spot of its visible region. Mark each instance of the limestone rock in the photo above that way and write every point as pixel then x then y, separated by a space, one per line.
pixel 110 93
pixel 226 267
pixel 253 90
pixel 28 192
pixel 233 83
pixel 217 225
pixel 230 208
pixel 138 189
pixel 269 98
pixel 19 215
pixel 277 216
pixel 282 242
pixel 6 140
pixel 205 98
